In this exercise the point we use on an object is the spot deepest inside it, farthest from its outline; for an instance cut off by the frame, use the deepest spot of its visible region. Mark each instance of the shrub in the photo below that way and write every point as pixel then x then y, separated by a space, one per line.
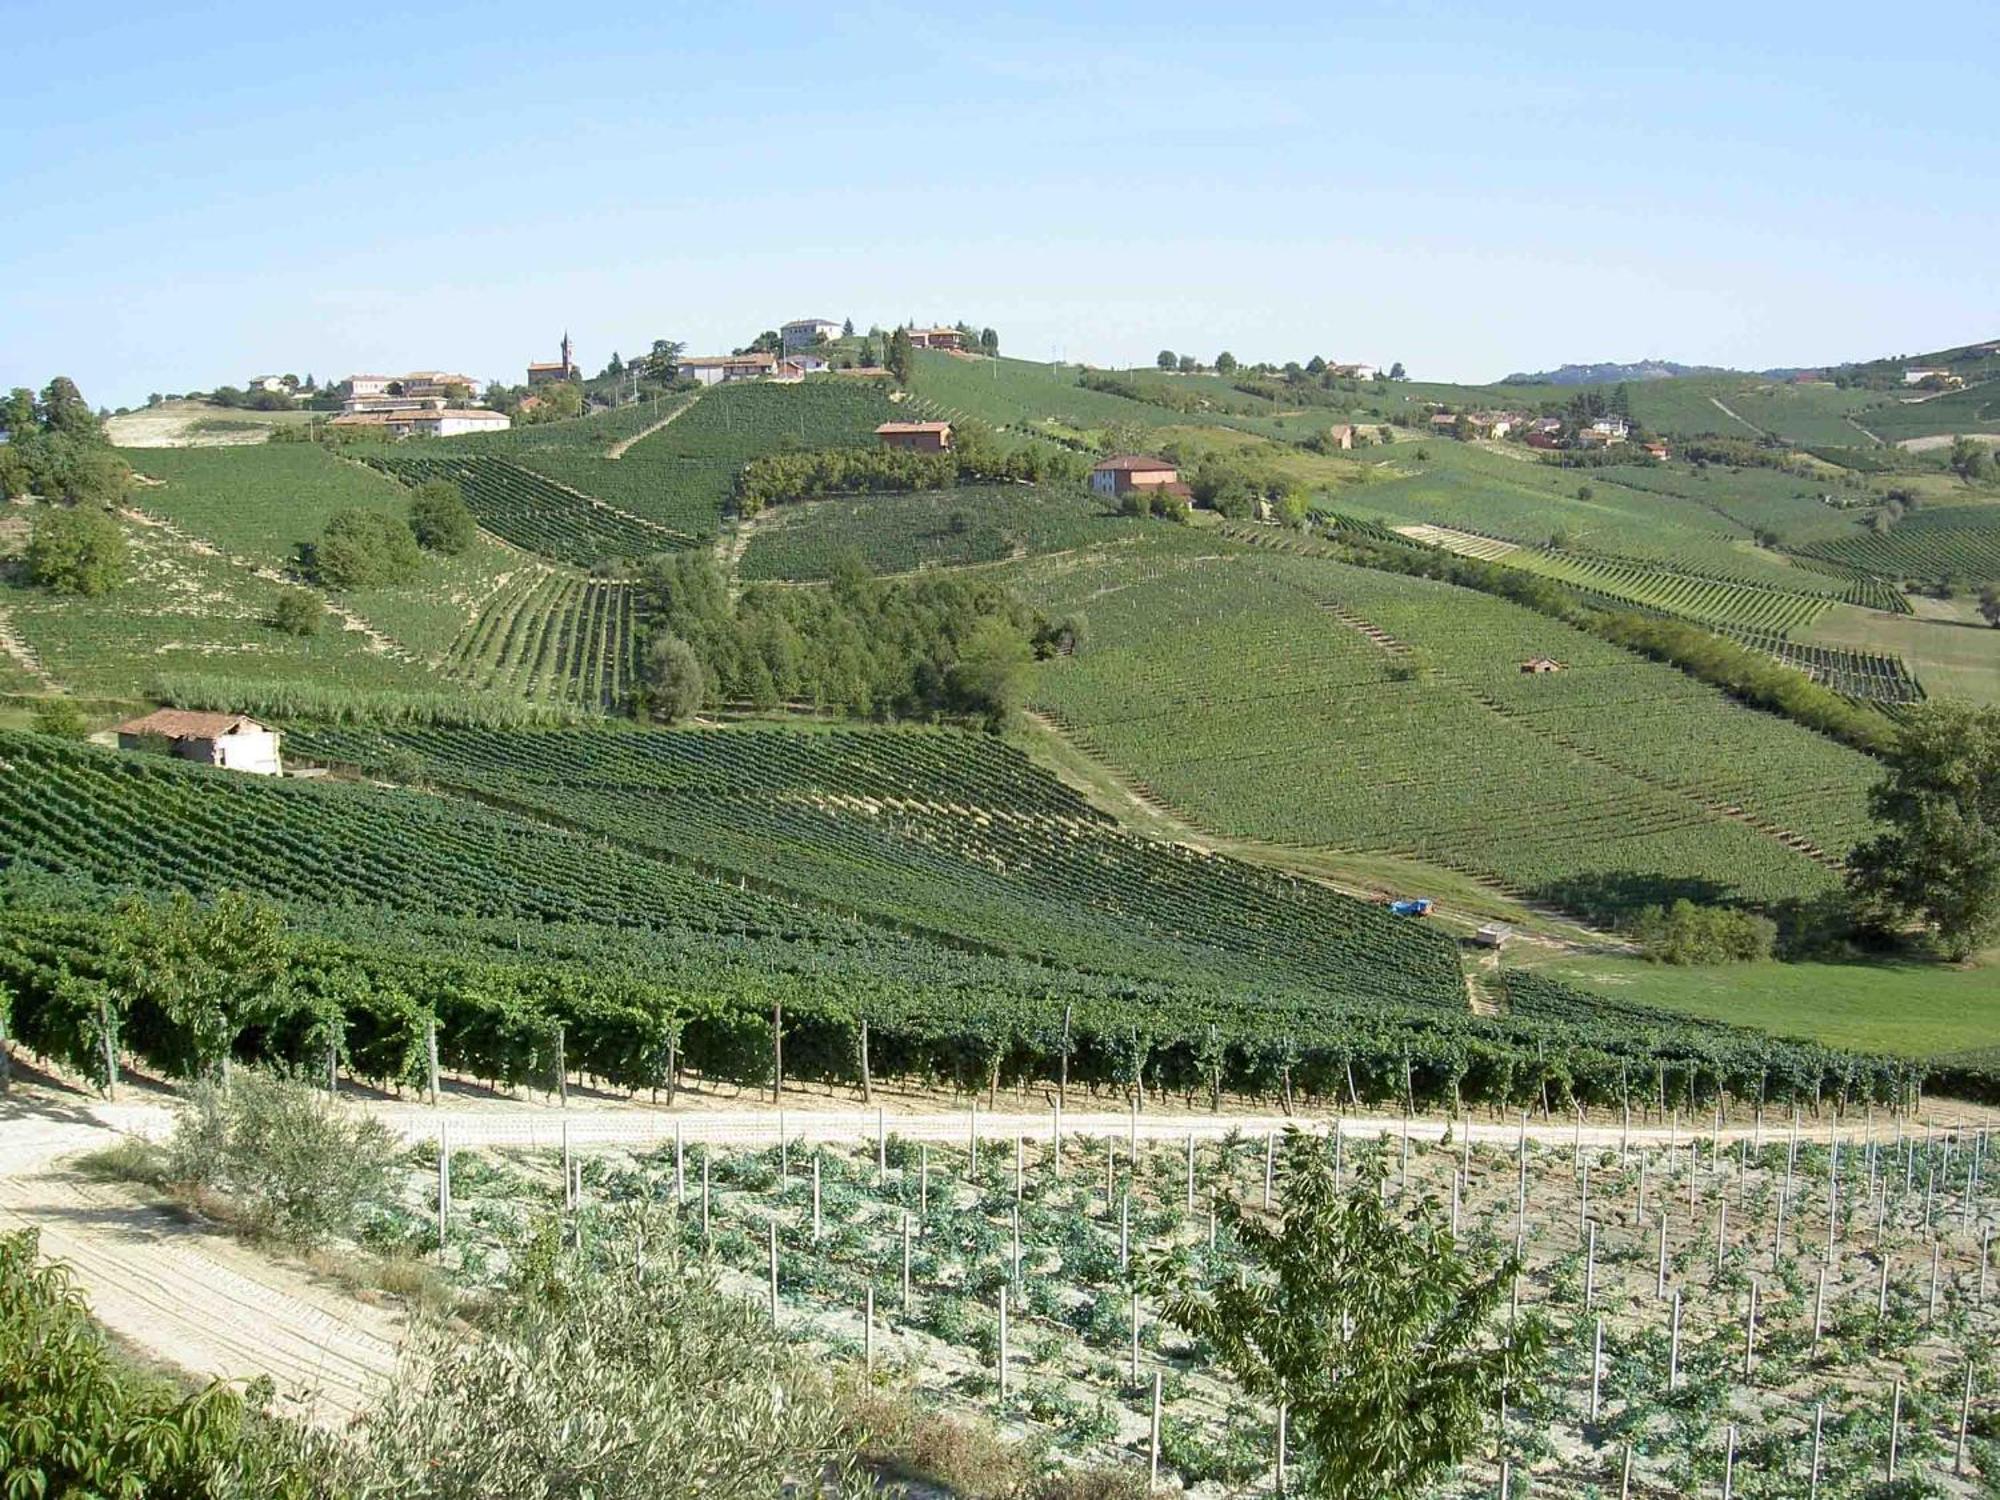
pixel 62 718
pixel 1689 934
pixel 440 519
pixel 76 551
pixel 291 1161
pixel 298 613
pixel 622 1372
pixel 78 1423
pixel 365 549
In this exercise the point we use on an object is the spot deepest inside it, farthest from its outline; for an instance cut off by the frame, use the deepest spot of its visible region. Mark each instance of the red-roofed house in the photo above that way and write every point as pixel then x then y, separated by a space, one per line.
pixel 1132 471
pixel 918 437
pixel 235 742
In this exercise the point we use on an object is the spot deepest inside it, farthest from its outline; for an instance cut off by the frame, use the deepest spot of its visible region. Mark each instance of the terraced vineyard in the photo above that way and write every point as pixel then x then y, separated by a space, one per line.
pixel 1960 541
pixel 1708 601
pixel 1299 701
pixel 535 513
pixel 555 637
pixel 1858 674
pixel 901 533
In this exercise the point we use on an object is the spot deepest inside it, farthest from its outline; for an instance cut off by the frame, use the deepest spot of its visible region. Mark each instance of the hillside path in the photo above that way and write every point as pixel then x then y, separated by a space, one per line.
pixel 617 449
pixel 187 1295
pixel 1716 402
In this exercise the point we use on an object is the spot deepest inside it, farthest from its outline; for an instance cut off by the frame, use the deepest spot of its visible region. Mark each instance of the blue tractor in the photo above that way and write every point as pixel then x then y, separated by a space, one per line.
pixel 1412 906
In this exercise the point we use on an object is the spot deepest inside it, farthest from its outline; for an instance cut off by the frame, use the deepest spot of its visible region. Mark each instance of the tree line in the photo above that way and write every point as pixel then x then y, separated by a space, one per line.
pixel 900 648
pixel 973 458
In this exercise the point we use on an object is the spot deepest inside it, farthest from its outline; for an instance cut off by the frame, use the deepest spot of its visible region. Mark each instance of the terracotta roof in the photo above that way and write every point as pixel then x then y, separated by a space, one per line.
pixel 1131 463
pixel 186 724
pixel 554 364
pixel 914 427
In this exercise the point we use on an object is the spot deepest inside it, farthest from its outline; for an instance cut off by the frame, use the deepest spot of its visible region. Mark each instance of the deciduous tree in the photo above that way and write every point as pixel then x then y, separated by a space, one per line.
pixel 1939 861
pixel 1378 1336
pixel 75 550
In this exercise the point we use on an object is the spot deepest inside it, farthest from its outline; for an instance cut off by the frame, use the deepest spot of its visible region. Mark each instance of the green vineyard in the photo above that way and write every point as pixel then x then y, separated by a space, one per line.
pixel 902 533
pixel 1961 542
pixel 1707 601
pixel 1179 971
pixel 1303 702
pixel 1870 675
pixel 555 637
pixel 535 513
pixel 682 476
pixel 946 833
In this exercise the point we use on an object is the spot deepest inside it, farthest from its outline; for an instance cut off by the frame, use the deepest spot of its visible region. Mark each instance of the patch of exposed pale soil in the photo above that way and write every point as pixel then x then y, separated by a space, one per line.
pixel 181 1291
pixel 349 620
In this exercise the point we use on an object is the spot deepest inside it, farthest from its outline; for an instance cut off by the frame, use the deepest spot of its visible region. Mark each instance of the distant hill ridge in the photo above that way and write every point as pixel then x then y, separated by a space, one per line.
pixel 1609 372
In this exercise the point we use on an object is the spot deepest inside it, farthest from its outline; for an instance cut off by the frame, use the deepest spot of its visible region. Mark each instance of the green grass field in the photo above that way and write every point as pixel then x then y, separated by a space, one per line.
pixel 1917 1010
pixel 181 610
pixel 1951 659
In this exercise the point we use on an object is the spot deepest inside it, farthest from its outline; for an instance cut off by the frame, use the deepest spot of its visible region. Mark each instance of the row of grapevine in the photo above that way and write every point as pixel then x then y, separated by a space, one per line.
pixel 1961 541
pixel 417 904
pixel 943 832
pixel 1708 601
pixel 1869 675
pixel 535 513
pixel 553 637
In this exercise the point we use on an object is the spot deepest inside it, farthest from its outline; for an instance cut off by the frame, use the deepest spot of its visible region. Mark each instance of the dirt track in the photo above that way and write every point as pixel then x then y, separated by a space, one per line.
pixel 186 1295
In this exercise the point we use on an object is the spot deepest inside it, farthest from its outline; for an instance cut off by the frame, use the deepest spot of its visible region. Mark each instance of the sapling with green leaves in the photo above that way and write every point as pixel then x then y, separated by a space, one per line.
pixel 1383 1340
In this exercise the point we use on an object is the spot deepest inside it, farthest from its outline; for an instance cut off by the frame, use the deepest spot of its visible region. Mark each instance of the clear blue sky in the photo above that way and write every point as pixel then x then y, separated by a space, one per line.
pixel 196 195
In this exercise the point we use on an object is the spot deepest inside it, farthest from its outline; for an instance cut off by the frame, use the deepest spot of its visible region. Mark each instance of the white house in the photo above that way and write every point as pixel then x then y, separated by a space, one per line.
pixel 426 421
pixel 803 333
pixel 266 383
pixel 718 369
pixel 235 742
pixel 367 385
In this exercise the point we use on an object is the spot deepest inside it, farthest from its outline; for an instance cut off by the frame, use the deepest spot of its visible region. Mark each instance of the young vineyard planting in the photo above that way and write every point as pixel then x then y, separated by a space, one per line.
pixel 1868 675
pixel 1775 1305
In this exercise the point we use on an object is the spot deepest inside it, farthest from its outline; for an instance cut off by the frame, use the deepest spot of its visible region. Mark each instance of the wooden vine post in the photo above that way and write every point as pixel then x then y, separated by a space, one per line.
pixel 107 1034
pixel 562 1067
pixel 867 1083
pixel 777 1048
pixel 431 1058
